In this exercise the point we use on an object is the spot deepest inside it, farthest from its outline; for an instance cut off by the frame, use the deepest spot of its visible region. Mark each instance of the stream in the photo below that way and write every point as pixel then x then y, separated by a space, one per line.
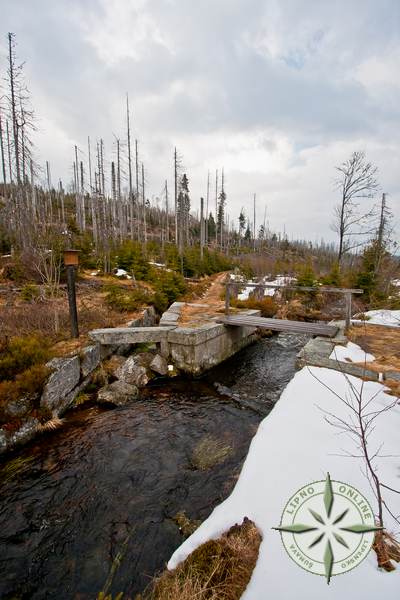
pixel 91 507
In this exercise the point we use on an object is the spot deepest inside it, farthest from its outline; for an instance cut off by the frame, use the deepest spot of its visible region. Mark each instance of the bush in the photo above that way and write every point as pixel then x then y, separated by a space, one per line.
pixel 125 299
pixel 267 305
pixel 131 257
pixel 29 292
pixel 28 385
pixel 169 286
pixel 21 353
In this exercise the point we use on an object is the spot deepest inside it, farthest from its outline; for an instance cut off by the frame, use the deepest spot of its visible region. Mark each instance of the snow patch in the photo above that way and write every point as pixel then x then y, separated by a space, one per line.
pixel 351 352
pixel 295 445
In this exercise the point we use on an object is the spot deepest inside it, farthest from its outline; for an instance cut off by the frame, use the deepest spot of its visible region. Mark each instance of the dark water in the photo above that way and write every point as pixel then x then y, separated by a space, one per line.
pixel 90 507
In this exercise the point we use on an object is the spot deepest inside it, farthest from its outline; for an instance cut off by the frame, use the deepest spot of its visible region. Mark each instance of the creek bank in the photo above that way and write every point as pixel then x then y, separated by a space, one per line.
pixel 70 376
pixel 111 482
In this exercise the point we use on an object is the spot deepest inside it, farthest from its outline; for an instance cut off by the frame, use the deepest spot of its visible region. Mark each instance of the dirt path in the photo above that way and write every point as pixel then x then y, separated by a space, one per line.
pixel 212 301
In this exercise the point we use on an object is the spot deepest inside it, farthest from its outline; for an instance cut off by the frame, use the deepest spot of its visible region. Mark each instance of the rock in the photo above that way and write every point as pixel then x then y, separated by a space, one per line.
pixel 25 433
pixel 3 441
pixel 65 377
pixel 143 359
pixel 90 359
pixel 149 317
pixel 113 364
pixel 159 365
pixel 135 370
pixel 18 408
pixel 118 393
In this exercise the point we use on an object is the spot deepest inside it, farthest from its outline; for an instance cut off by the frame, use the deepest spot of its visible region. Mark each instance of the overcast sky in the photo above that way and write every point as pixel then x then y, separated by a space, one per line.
pixel 277 92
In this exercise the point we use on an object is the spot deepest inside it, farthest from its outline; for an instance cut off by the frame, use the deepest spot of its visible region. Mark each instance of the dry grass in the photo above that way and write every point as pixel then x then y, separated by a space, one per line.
pixel 217 570
pixel 387 550
pixel 209 452
pixel 50 425
pixel 384 344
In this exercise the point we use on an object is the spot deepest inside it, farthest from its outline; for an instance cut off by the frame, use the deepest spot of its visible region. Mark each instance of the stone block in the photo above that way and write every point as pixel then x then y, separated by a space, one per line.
pixel 90 359
pixel 159 365
pixel 65 376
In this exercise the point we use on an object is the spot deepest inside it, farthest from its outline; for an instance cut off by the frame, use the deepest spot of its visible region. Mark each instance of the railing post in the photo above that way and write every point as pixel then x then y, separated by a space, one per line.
pixel 348 310
pixel 227 298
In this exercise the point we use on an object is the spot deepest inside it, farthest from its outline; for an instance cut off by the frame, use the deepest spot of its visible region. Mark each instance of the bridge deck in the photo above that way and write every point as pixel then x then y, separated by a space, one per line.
pixel 280 325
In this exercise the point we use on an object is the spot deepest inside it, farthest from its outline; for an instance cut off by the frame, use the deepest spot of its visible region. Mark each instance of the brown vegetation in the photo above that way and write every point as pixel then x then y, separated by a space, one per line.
pixel 387 549
pixel 384 344
pixel 217 570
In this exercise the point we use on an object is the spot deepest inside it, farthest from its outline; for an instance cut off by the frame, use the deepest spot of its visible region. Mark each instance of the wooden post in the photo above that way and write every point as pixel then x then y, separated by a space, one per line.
pixel 348 310
pixel 73 314
pixel 227 298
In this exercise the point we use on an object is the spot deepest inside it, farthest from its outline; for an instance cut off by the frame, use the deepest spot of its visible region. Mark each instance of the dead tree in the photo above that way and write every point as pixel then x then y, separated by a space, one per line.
pixel 3 158
pixel 357 180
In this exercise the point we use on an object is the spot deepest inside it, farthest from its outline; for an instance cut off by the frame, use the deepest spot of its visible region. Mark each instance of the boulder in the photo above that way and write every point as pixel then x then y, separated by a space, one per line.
pixel 159 365
pixel 112 365
pixel 134 373
pixel 66 375
pixel 3 441
pixel 90 359
pixel 25 433
pixel 136 369
pixel 118 393
pixel 18 408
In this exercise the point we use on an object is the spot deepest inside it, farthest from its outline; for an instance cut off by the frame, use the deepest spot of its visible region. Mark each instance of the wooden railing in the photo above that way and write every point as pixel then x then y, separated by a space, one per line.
pixel 348 292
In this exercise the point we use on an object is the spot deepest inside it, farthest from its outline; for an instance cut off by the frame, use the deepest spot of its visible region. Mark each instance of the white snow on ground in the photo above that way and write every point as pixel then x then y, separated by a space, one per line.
pixel 278 281
pixel 395 282
pixel 295 445
pixel 382 317
pixel 351 352
pixel 122 273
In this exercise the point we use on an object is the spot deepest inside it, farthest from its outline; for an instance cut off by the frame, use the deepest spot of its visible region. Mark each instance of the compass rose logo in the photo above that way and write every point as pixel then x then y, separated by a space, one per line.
pixel 327 527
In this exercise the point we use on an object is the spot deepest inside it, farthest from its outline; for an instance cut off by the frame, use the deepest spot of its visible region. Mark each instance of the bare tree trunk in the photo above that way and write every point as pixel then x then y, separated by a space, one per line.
pixel 12 76
pixel 166 213
pixel 3 158
pixel 9 152
pixel 176 195
pixel 254 223
pixel 144 209
pixel 201 227
pixel 137 188
pixel 216 207
pixel 207 202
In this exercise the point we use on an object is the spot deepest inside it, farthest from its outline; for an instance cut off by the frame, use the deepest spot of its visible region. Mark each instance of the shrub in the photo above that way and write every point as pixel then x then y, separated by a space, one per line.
pixel 29 292
pixel 169 286
pixel 21 353
pixel 28 384
pixel 125 299
pixel 267 305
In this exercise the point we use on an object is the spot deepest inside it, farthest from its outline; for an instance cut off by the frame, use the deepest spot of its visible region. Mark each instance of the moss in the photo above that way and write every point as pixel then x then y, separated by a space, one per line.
pixel 19 353
pixel 209 452
pixel 13 467
pixel 186 525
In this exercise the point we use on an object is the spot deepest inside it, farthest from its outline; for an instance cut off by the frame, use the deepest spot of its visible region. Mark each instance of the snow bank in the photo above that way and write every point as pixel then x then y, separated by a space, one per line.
pixel 280 280
pixel 351 352
pixel 122 273
pixel 295 445
pixel 382 317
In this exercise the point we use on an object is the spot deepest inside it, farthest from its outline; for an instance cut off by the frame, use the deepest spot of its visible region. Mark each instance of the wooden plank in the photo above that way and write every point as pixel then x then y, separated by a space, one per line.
pixel 280 325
